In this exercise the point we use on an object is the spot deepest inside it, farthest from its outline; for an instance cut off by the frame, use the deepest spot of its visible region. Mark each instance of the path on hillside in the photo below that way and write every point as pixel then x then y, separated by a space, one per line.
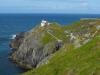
pixel 49 32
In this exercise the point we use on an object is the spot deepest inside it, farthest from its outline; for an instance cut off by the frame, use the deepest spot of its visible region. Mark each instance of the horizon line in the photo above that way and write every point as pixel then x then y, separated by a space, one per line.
pixel 54 13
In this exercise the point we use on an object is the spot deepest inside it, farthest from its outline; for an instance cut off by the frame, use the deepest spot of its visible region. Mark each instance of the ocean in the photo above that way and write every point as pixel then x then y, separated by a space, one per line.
pixel 14 23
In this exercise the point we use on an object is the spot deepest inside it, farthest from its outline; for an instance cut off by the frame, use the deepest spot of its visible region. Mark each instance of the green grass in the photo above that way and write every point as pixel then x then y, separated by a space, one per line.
pixel 69 61
pixel 82 61
pixel 57 30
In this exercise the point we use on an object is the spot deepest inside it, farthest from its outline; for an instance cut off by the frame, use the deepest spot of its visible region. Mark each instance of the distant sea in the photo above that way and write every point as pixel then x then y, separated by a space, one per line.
pixel 14 23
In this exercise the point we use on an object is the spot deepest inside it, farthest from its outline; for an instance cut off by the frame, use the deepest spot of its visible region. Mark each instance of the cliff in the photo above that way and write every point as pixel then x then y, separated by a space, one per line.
pixel 59 50
pixel 31 48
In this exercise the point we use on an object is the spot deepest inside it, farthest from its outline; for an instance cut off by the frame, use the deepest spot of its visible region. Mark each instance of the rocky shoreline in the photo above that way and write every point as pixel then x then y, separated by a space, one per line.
pixel 29 52
pixel 34 48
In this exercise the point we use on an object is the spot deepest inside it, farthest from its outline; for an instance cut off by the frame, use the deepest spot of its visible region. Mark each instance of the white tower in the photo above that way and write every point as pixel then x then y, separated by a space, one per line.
pixel 43 23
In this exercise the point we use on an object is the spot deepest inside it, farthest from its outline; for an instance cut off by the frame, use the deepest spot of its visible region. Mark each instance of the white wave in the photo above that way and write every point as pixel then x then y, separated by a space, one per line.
pixel 13 36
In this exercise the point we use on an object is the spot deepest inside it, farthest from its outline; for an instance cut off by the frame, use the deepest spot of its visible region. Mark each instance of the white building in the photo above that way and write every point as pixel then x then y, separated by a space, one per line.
pixel 44 23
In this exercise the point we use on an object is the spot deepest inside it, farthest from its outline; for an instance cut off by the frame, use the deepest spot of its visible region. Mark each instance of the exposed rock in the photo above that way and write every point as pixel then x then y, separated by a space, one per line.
pixel 29 52
pixel 86 41
pixel 15 42
pixel 98 27
pixel 31 49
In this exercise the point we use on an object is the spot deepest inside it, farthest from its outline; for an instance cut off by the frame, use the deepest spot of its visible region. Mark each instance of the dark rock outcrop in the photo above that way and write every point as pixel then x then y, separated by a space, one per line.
pixel 15 43
pixel 28 50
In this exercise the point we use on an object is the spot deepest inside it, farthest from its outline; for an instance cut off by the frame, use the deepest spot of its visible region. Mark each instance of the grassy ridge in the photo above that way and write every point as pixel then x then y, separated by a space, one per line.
pixel 84 60
pixel 56 30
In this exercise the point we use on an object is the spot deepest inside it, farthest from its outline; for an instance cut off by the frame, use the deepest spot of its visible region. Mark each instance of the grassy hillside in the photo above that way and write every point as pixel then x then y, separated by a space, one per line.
pixel 56 30
pixel 69 60
pixel 82 61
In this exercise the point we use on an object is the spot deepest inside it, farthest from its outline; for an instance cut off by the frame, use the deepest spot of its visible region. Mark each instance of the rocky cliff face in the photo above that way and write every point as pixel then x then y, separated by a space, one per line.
pixel 29 51
pixel 80 54
pixel 35 47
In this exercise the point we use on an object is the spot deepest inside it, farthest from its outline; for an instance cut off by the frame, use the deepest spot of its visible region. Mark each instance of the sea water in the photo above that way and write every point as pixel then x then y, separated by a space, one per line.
pixel 11 24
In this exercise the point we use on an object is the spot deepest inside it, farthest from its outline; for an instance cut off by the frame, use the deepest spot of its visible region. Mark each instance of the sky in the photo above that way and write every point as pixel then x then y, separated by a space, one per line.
pixel 50 6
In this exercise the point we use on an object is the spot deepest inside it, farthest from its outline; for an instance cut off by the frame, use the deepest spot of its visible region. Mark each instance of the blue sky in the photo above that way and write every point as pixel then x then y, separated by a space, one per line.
pixel 50 6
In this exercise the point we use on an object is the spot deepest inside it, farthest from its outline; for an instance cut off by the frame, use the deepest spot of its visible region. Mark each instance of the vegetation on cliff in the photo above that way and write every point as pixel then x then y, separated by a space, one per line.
pixel 82 61
pixel 37 45
pixel 60 50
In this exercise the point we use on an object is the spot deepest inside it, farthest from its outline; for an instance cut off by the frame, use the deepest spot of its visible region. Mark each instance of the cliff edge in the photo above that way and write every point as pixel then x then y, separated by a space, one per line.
pixel 52 49
pixel 33 48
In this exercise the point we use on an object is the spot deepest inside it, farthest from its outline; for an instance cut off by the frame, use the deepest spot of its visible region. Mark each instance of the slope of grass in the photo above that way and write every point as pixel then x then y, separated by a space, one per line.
pixel 56 30
pixel 69 61
pixel 82 61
